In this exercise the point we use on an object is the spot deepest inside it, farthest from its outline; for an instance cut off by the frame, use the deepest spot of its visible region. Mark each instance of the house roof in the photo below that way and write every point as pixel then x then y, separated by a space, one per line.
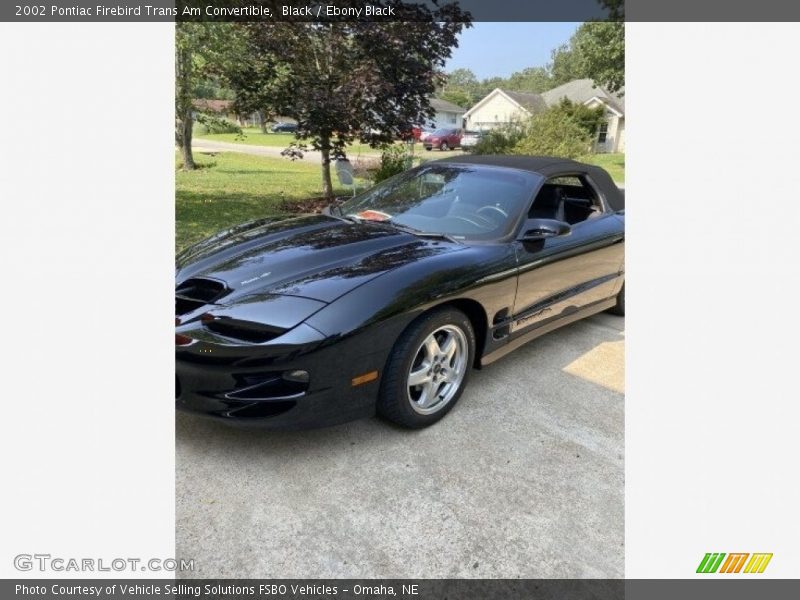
pixel 530 101
pixel 217 106
pixel 581 91
pixel 440 105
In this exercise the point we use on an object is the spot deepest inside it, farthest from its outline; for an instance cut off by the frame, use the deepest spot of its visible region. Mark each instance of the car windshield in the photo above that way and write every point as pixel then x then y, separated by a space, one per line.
pixel 442 132
pixel 463 201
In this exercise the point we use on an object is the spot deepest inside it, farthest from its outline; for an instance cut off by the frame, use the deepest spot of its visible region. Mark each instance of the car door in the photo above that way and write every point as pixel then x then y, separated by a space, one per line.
pixel 558 276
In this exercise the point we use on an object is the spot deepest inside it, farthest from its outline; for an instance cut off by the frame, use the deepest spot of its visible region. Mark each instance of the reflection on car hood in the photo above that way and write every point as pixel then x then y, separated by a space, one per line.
pixel 313 256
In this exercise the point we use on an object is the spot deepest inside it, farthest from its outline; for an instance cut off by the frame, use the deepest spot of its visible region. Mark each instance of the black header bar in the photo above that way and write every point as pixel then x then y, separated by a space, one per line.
pixel 399 10
pixel 711 588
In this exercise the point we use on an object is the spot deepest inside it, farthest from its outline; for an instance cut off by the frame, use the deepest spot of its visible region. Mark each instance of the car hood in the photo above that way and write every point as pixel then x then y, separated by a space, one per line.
pixel 312 256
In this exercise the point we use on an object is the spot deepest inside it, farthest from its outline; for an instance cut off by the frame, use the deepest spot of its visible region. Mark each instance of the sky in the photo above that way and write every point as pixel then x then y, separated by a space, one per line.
pixel 499 49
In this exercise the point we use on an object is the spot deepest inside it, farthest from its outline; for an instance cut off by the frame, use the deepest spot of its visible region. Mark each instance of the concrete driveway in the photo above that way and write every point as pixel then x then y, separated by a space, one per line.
pixel 524 478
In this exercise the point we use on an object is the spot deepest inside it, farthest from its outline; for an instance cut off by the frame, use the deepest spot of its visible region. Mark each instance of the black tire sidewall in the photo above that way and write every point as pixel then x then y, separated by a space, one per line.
pixel 619 307
pixel 394 402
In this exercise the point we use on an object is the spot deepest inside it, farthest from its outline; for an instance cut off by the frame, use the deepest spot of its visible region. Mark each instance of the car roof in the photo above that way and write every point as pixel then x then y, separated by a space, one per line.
pixel 546 166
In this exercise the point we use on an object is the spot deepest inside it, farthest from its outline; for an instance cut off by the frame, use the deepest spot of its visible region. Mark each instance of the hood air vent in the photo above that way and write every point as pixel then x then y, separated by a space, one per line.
pixel 194 293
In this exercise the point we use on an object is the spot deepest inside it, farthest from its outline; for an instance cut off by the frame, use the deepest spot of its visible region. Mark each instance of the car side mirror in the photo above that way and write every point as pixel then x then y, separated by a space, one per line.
pixel 540 229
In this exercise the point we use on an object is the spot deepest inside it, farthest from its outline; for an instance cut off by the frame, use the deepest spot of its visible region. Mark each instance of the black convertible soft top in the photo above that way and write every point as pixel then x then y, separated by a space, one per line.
pixel 548 166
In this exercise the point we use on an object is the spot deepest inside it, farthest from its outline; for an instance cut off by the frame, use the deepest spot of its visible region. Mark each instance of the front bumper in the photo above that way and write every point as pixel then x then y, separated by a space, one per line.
pixel 215 380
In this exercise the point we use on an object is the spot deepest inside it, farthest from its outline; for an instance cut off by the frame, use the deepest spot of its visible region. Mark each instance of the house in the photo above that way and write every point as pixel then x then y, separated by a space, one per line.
pixel 224 109
pixel 611 135
pixel 501 107
pixel 447 115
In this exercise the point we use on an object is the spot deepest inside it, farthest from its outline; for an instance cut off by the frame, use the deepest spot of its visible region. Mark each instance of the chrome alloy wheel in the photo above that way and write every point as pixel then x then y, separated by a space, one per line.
pixel 438 369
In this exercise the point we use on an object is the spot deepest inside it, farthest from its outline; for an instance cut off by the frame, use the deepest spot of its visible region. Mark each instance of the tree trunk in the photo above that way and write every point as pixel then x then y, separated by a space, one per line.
pixel 327 184
pixel 186 142
pixel 262 121
pixel 183 105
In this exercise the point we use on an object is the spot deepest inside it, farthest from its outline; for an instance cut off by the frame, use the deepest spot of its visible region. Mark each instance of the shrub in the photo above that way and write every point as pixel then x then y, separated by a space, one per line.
pixel 589 119
pixel 499 141
pixel 554 133
pixel 394 159
pixel 559 131
pixel 212 124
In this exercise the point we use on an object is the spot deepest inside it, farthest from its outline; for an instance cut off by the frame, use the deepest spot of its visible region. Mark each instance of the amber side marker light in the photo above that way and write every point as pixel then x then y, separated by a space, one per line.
pixel 365 378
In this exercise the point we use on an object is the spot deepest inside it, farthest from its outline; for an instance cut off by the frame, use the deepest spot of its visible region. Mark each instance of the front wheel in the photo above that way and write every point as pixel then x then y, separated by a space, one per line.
pixel 427 369
pixel 444 147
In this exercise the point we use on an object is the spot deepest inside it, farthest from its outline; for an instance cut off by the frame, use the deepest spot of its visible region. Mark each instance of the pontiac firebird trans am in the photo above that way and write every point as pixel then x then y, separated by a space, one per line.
pixel 386 301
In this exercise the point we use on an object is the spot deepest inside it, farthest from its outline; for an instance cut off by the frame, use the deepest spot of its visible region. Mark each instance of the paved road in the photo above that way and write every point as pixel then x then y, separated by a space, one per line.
pixel 202 145
pixel 524 478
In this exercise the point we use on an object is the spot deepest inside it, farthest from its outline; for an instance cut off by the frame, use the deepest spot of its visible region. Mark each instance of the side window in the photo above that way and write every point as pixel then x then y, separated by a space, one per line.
pixel 602 133
pixel 567 198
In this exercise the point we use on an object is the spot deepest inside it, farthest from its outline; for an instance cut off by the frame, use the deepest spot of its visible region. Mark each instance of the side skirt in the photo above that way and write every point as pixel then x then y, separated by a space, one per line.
pixel 515 343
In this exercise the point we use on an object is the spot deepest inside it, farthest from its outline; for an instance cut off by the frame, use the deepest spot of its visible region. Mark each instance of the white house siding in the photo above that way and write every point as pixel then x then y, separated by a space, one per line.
pixel 621 136
pixel 495 112
pixel 448 120
pixel 615 132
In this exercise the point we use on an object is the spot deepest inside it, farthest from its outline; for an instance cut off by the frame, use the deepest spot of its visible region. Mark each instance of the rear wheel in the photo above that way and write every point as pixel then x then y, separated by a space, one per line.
pixel 428 369
pixel 444 147
pixel 619 307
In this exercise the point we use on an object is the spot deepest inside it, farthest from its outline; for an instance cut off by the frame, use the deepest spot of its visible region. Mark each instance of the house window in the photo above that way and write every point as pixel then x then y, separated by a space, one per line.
pixel 602 133
pixel 452 118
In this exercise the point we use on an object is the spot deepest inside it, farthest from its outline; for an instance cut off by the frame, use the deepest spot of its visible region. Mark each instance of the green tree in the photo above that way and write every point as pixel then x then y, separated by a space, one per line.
pixel 566 64
pixel 350 80
pixel 597 51
pixel 601 48
pixel 458 97
pixel 188 41
pixel 532 79
pixel 201 52
pixel 461 78
pixel 459 87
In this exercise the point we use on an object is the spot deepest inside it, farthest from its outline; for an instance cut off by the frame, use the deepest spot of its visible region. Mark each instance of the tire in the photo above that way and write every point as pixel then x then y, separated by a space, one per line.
pixel 428 148
pixel 619 307
pixel 442 379
pixel 444 147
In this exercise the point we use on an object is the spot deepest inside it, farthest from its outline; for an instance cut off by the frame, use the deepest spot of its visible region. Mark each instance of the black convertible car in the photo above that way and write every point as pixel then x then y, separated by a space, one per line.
pixel 388 300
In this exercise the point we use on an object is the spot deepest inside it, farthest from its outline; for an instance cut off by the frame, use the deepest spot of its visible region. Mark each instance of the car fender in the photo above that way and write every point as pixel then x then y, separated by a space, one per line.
pixel 382 308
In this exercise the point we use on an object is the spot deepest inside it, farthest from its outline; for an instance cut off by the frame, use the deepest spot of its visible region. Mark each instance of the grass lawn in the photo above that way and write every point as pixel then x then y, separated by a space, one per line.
pixel 253 136
pixel 232 188
pixel 613 163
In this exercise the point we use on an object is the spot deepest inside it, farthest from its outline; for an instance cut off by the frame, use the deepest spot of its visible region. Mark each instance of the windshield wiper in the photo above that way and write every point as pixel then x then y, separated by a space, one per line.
pixel 423 234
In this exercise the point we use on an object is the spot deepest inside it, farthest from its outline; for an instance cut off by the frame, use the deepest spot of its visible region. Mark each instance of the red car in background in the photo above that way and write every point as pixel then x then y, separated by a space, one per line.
pixel 444 139
pixel 411 134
